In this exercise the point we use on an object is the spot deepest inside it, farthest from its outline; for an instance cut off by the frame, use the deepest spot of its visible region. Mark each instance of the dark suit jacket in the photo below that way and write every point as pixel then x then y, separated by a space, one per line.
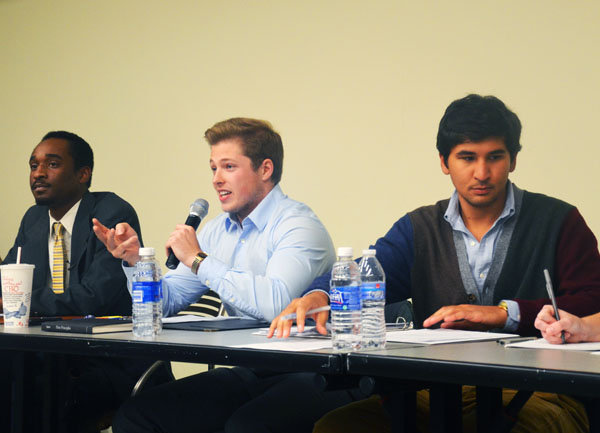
pixel 97 283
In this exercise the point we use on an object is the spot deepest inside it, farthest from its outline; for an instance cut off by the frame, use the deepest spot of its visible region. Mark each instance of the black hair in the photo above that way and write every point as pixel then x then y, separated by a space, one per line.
pixel 475 118
pixel 80 150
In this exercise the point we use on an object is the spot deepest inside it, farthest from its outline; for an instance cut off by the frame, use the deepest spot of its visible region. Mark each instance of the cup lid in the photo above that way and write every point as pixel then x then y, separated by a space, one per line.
pixel 17 266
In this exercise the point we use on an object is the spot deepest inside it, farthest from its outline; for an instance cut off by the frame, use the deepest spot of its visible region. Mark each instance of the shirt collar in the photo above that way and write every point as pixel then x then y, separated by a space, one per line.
pixel 68 219
pixel 453 217
pixel 261 213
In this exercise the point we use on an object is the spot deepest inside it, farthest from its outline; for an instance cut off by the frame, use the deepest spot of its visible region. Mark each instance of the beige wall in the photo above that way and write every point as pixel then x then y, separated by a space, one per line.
pixel 355 88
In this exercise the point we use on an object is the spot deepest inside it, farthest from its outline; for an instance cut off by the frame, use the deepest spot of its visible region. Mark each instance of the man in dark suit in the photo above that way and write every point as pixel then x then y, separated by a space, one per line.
pixel 61 172
pixel 76 275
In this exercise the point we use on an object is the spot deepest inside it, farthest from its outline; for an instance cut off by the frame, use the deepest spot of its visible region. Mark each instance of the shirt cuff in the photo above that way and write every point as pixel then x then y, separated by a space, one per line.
pixel 514 316
pixel 211 271
pixel 129 271
pixel 316 290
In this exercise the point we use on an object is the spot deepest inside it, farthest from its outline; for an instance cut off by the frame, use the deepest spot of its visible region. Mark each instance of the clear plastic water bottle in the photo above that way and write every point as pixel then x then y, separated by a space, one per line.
pixel 147 295
pixel 372 295
pixel 344 297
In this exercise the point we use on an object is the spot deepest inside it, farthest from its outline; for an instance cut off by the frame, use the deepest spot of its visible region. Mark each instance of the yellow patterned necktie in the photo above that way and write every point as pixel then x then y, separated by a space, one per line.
pixel 58 262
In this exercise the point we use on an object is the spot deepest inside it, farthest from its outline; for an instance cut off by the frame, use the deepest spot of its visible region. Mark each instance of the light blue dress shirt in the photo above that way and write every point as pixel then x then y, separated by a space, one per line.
pixel 256 268
pixel 481 253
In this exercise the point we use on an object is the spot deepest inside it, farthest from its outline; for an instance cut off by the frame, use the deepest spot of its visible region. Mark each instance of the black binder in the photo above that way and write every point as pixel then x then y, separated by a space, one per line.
pixel 217 325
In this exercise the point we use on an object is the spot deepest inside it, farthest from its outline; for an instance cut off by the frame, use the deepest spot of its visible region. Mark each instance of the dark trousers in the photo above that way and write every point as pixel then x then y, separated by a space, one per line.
pixel 86 391
pixel 233 400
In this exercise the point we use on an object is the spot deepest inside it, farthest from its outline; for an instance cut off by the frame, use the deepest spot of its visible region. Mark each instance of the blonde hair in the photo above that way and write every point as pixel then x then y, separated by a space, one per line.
pixel 259 141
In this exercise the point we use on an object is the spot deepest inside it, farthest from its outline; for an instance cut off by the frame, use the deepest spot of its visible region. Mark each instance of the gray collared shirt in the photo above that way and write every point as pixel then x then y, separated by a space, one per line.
pixel 480 254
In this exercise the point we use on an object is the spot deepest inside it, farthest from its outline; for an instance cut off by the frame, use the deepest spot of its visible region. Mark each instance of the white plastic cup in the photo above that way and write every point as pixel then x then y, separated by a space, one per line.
pixel 16 294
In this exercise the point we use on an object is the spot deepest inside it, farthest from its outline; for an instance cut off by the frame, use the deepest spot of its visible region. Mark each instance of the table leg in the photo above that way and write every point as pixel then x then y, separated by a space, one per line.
pixel 17 392
pixel 592 407
pixel 62 392
pixel 489 407
pixel 445 405
pixel 55 389
pixel 402 408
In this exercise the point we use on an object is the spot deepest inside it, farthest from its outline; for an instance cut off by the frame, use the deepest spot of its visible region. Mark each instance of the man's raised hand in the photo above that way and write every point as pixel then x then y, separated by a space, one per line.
pixel 122 241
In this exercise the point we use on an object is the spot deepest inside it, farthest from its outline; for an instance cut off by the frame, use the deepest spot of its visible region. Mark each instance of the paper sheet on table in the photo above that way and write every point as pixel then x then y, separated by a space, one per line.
pixel 309 332
pixel 541 343
pixel 193 318
pixel 289 344
pixel 442 336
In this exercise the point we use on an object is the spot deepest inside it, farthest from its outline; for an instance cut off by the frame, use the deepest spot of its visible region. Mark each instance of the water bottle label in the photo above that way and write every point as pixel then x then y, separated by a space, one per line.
pixel 345 298
pixel 372 291
pixel 146 291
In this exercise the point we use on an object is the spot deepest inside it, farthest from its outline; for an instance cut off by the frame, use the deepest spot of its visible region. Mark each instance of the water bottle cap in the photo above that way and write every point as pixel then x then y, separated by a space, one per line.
pixel 369 252
pixel 147 251
pixel 345 252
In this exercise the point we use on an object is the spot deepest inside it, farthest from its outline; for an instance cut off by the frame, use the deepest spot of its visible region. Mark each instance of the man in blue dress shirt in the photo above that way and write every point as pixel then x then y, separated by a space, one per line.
pixel 262 252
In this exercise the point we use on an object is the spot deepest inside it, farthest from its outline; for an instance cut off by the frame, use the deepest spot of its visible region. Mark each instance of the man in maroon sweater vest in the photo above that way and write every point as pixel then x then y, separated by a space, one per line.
pixel 476 261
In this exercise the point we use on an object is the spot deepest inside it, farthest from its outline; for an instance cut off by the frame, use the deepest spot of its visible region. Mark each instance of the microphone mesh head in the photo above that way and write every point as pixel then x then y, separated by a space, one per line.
pixel 199 208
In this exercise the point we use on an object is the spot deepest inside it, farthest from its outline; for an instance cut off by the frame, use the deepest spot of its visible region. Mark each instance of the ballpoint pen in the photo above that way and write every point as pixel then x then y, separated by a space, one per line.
pixel 511 340
pixel 553 300
pixel 314 310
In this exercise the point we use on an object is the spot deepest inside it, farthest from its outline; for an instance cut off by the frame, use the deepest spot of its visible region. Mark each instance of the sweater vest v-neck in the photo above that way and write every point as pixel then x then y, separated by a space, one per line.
pixel 438 279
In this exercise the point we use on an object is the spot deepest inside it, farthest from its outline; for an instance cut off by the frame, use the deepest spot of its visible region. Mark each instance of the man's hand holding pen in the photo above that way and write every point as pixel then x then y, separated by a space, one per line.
pixel 569 328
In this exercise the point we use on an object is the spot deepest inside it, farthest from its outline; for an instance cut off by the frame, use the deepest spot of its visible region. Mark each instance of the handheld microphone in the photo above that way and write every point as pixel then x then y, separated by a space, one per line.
pixel 198 210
